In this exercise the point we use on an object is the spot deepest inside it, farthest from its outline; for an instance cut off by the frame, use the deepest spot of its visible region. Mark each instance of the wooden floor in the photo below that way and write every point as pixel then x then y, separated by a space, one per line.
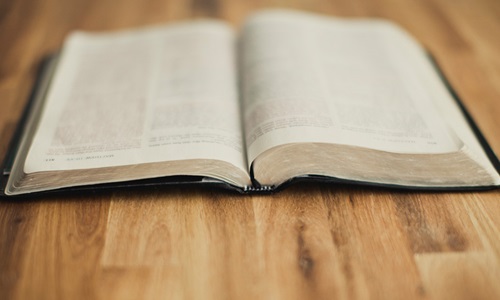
pixel 309 241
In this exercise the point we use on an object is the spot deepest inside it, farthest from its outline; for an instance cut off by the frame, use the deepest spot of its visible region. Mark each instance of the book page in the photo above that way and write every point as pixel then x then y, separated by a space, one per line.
pixel 143 96
pixel 323 80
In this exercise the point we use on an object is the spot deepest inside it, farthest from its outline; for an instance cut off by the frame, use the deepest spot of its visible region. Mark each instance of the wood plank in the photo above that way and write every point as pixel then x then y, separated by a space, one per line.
pixel 62 249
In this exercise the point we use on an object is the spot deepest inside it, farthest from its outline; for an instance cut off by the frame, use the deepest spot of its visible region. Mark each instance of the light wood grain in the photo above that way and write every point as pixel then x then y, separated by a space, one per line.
pixel 309 241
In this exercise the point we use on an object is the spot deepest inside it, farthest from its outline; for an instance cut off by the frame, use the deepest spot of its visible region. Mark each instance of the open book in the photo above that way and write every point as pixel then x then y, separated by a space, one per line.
pixel 292 95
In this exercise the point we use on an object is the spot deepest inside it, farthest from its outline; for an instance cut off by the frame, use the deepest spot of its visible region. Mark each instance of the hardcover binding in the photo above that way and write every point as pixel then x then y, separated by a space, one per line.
pixel 477 132
pixel 256 188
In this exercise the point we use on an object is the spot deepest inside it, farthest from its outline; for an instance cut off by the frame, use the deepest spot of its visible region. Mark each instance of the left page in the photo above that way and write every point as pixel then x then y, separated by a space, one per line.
pixel 150 95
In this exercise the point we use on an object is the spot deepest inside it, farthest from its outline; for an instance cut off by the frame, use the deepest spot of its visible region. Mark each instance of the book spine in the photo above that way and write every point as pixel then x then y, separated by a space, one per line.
pixel 258 189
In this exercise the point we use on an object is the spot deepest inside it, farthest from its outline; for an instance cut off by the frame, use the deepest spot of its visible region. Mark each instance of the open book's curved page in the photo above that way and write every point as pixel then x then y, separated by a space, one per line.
pixel 149 95
pixel 325 80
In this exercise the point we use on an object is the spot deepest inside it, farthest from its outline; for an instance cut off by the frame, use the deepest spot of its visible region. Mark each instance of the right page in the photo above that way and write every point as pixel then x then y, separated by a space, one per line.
pixel 363 86
pixel 313 79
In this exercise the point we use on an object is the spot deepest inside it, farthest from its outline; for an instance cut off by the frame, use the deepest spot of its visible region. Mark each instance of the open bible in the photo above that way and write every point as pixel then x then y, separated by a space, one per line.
pixel 291 96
